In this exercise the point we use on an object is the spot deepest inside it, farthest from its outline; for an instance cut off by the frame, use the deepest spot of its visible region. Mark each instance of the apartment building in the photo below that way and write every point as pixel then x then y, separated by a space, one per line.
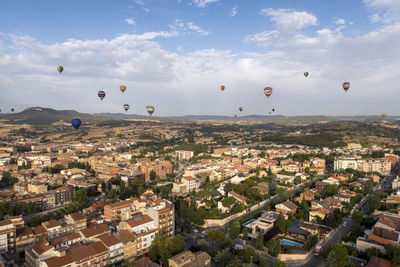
pixel 119 211
pixel 183 155
pixel 190 182
pixel 163 214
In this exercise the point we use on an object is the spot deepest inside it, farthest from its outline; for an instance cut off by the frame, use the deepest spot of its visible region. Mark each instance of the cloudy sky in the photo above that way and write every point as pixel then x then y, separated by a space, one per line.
pixel 175 54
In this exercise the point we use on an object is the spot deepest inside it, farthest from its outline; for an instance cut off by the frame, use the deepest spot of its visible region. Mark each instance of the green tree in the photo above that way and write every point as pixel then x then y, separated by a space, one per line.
pixel 203 244
pixel 274 247
pixel 336 255
pixel 245 232
pixel 280 264
pixel 358 216
pixel 373 203
pixel 259 243
pixel 32 207
pixel 249 253
pixel 153 175
pixel 216 235
pixel 81 196
pixel 223 257
pixel 297 180
pixel 103 186
pixel 281 223
pixel 234 230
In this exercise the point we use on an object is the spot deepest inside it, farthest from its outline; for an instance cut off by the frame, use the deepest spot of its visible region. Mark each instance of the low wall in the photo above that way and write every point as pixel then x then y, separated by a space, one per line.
pixel 222 222
pixel 292 257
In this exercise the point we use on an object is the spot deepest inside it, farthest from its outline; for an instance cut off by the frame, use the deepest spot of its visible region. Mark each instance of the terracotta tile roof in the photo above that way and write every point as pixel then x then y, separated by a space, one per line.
pixel 384 236
pixel 139 220
pixel 388 223
pixel 24 231
pixel 42 247
pixel 39 230
pixel 59 261
pixel 77 217
pixel 126 236
pixel 87 251
pixel 51 224
pixel 379 262
pixel 188 178
pixel 5 222
pixel 109 240
pixel 120 204
pixel 95 230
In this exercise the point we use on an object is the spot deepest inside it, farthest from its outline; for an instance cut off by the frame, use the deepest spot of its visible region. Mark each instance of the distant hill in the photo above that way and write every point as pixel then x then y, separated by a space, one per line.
pixel 42 116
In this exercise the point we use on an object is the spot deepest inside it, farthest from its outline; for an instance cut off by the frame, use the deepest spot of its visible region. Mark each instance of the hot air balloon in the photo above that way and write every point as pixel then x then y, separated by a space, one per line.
pixel 222 88
pixel 126 107
pixel 383 115
pixel 269 113
pixel 346 86
pixel 122 88
pixel 150 109
pixel 273 110
pixel 118 132
pixel 101 95
pixel 76 123
pixel 268 91
pixel 0 110
pixel 12 110
pixel 60 69
pixel 235 116
pixel 241 109
pixel 306 74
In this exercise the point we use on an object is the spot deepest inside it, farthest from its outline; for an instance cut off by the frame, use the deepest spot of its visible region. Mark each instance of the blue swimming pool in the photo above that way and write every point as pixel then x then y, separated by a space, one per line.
pixel 357 260
pixel 249 222
pixel 286 242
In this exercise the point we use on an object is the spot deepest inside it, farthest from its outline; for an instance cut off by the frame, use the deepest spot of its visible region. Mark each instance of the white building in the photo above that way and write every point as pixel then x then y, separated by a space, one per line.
pixel 182 154
pixel 345 163
pixel 190 182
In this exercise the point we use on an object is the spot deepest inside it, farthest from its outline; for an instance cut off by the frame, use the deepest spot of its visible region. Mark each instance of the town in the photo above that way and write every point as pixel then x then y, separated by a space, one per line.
pixel 205 193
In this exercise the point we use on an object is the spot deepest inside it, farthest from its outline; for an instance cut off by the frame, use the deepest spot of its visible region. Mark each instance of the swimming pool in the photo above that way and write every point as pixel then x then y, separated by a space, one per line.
pixel 357 260
pixel 249 222
pixel 286 242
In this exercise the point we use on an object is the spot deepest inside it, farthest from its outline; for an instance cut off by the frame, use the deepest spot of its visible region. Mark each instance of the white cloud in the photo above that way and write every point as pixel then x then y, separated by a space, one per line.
pixel 139 2
pixel 233 11
pixel 340 21
pixel 187 28
pixel 289 19
pixel 203 3
pixel 384 11
pixel 130 21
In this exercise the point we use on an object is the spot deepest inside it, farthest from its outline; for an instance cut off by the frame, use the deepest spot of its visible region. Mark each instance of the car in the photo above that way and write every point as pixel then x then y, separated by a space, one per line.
pixel 195 230
pixel 345 224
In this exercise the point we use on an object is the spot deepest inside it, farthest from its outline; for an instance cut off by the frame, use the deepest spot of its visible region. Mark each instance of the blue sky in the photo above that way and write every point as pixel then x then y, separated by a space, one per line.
pixel 175 54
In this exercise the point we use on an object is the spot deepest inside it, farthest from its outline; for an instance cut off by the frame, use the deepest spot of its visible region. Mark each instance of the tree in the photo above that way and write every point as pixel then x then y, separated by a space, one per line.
pixel 249 253
pixel 281 223
pixel 369 187
pixel 262 154
pixel 203 244
pixel 358 216
pixel 103 186
pixel 234 230
pixel 245 232
pixel 311 241
pixel 307 170
pixel 153 175
pixel 81 196
pixel 373 203
pixel 227 202
pixel 297 180
pixel 216 235
pixel 32 207
pixel 223 257
pixel 259 243
pixel 274 247
pixel 280 264
pixel 336 255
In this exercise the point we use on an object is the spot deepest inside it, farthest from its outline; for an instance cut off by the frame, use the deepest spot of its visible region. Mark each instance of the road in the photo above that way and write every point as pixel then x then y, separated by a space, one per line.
pixel 345 229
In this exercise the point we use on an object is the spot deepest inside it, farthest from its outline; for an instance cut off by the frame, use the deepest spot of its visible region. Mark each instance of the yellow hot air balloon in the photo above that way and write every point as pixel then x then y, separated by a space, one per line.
pixel 122 88
pixel 306 74
pixel 118 132
pixel 383 115
pixel 60 69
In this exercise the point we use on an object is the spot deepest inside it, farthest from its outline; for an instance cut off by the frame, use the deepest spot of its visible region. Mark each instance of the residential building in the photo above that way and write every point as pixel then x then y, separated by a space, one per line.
pixel 114 247
pixel 286 208
pixel 78 220
pixel 119 211
pixel 183 155
pixel 190 182
pixel 263 224
pixel 189 259
pixel 343 163
pixel 238 197
pixel 163 214
pixel 128 241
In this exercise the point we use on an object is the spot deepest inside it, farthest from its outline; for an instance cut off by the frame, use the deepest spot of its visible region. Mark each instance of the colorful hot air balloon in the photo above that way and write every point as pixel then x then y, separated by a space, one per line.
pixel 12 110
pixel 101 95
pixel 76 123
pixel 150 109
pixel 222 88
pixel 122 88
pixel 60 69
pixel 241 109
pixel 346 86
pixel 268 91
pixel 118 132
pixel 383 115
pixel 126 107
pixel 306 74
